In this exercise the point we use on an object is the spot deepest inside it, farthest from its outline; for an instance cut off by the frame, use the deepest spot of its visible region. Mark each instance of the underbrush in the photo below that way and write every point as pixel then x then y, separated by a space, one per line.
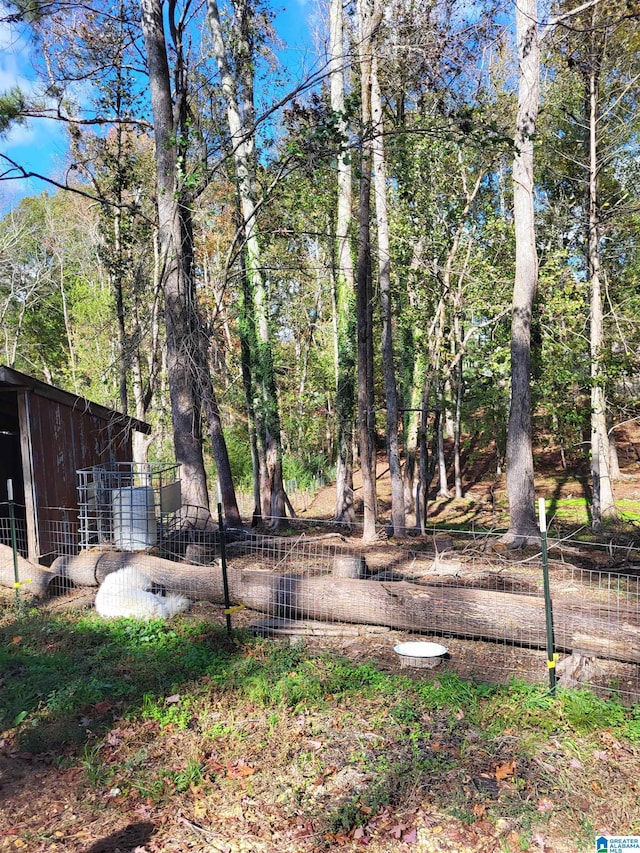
pixel 157 711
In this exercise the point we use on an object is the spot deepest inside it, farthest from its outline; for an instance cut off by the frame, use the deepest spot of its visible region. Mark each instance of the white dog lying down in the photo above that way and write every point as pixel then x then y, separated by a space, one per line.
pixel 127 592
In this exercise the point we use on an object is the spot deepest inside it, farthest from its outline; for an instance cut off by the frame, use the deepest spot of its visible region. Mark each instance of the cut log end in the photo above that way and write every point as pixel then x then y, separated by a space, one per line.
pixel 576 670
pixel 350 567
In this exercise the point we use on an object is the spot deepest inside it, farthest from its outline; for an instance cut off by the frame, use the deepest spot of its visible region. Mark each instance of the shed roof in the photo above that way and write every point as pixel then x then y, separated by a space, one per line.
pixel 16 381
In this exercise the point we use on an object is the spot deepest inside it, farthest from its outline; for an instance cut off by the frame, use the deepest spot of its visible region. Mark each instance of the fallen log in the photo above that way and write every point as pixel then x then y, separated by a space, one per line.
pixel 90 568
pixel 33 579
pixel 519 619
pixel 591 628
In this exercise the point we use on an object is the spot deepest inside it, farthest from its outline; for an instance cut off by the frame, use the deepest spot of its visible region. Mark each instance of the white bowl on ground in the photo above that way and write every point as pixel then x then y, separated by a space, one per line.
pixel 420 654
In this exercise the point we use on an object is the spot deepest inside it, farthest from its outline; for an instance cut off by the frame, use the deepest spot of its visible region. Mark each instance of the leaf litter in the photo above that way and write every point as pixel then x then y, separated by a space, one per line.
pixel 349 770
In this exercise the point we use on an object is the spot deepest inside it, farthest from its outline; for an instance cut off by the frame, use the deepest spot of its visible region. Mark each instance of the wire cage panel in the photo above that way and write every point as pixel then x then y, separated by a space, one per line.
pixel 127 505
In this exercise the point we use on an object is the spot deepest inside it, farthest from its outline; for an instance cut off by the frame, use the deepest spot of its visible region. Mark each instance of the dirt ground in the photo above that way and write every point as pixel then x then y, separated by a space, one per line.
pixel 54 802
pixel 485 502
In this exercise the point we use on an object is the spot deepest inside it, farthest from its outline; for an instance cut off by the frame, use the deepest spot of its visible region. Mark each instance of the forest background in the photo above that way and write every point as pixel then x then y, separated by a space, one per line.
pixel 430 233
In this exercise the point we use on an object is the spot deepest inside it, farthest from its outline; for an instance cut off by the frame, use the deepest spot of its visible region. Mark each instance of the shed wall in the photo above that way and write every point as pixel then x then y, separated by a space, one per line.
pixel 63 440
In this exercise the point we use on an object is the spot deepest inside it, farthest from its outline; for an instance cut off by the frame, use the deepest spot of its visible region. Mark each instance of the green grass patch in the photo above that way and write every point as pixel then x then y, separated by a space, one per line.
pixel 161 710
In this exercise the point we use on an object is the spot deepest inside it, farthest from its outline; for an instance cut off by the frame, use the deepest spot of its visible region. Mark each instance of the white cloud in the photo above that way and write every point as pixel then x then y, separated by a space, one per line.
pixel 15 65
pixel 18 135
pixel 12 37
pixel 10 77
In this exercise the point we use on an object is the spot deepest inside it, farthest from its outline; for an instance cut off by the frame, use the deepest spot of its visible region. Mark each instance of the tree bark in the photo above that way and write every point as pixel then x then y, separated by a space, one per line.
pixel 176 266
pixel 366 414
pixel 33 579
pixel 457 431
pixel 594 628
pixel 603 503
pixel 518 619
pixel 241 123
pixel 520 477
pixel 344 281
pixel 443 483
pixel 384 280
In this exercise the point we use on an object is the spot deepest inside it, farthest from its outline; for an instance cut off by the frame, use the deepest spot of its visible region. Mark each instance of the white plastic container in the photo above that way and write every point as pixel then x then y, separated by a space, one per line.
pixel 134 518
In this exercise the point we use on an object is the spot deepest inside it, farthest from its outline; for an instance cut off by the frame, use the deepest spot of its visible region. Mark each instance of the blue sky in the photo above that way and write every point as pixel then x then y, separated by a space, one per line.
pixel 40 145
pixel 35 143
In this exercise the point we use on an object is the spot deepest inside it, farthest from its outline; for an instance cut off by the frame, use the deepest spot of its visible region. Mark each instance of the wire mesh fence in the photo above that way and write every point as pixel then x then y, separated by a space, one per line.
pixel 487 610
pixel 60 527
pixel 19 525
pixel 318 586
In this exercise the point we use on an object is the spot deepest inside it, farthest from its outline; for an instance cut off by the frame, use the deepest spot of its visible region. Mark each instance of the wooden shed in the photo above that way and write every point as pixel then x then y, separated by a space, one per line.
pixel 46 435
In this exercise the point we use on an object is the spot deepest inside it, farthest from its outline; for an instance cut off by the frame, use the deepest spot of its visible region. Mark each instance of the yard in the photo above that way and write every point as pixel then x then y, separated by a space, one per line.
pixel 130 736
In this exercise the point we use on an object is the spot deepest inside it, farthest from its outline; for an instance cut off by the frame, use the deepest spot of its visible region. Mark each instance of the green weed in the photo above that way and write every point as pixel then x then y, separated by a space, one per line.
pixel 97 773
pixel 175 713
pixel 586 712
pixel 346 815
pixel 450 691
pixel 190 777
pixel 150 788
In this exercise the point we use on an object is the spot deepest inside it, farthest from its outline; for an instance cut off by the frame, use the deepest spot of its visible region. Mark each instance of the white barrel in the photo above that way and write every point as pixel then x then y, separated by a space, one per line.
pixel 134 518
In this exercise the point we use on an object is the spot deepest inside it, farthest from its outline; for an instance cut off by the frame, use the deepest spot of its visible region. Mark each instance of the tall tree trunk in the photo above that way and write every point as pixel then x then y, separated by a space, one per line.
pixel 242 130
pixel 247 334
pixel 366 414
pixel 457 430
pixel 443 484
pixel 175 265
pixel 520 478
pixel 422 491
pixel 117 284
pixel 219 448
pixel 603 505
pixel 413 377
pixel 412 421
pixel 384 279
pixel 344 281
pixel 144 391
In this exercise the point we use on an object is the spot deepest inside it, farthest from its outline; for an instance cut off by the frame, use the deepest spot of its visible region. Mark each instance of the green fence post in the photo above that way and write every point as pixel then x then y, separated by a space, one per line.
pixel 552 657
pixel 228 610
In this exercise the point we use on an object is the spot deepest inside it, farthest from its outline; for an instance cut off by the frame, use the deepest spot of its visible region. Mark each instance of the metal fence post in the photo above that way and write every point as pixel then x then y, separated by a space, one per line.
pixel 14 540
pixel 223 560
pixel 552 657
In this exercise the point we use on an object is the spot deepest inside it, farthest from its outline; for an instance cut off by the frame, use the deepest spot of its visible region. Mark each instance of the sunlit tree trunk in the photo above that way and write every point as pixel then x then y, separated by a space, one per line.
pixel 520 477
pixel 443 484
pixel 603 505
pixel 241 123
pixel 384 281
pixel 413 381
pixel 344 280
pixel 458 385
